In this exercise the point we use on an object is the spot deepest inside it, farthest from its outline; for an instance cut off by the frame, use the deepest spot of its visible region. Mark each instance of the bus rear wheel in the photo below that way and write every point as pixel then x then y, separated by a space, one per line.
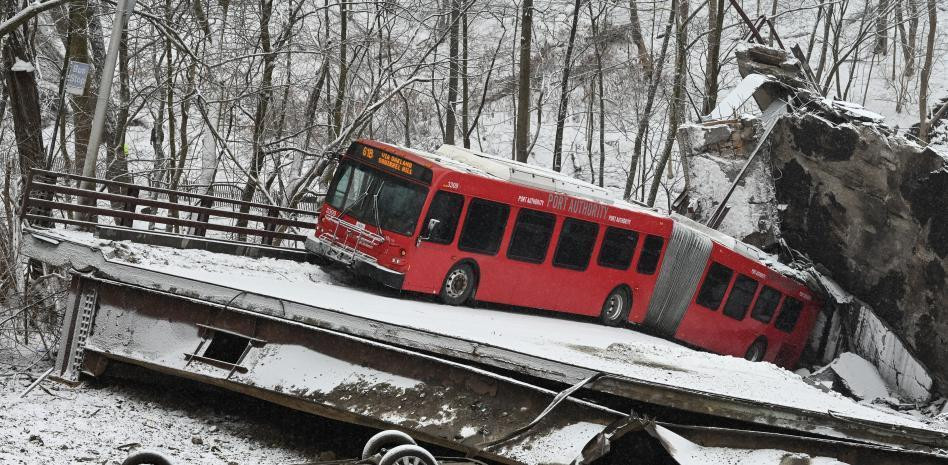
pixel 458 284
pixel 757 350
pixel 615 310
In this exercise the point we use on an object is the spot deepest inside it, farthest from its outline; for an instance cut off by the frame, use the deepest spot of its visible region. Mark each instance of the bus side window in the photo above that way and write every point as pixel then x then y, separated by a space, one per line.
pixel 715 285
pixel 618 246
pixel 446 208
pixel 651 252
pixel 741 296
pixel 575 245
pixel 789 314
pixel 484 227
pixel 767 302
pixel 531 236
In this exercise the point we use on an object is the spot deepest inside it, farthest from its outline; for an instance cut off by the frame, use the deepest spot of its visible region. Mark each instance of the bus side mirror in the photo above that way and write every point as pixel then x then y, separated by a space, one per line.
pixel 432 225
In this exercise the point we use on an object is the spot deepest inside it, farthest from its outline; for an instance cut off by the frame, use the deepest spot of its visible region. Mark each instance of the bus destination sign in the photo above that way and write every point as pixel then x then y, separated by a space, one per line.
pixel 391 163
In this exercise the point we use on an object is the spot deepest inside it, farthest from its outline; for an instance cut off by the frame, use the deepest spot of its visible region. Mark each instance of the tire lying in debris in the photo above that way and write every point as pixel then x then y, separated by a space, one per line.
pixel 385 441
pixel 408 454
pixel 146 457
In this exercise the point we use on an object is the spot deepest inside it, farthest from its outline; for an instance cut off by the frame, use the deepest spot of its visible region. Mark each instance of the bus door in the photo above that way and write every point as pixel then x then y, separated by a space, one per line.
pixel 435 252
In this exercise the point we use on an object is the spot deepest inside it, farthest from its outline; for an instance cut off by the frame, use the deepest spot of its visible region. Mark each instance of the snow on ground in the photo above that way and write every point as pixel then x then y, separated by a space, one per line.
pixel 613 350
pixel 100 422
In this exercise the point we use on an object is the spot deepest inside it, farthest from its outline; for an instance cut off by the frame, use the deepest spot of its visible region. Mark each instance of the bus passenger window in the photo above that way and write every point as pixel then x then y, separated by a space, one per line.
pixel 618 246
pixel 651 252
pixel 766 304
pixel 484 226
pixel 741 296
pixel 789 314
pixel 575 244
pixel 531 236
pixel 715 285
pixel 446 208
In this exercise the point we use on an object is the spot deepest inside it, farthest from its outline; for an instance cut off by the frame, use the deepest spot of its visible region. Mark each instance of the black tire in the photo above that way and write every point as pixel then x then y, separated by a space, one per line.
pixel 147 457
pixel 458 285
pixel 408 454
pixel 757 350
pixel 384 441
pixel 615 309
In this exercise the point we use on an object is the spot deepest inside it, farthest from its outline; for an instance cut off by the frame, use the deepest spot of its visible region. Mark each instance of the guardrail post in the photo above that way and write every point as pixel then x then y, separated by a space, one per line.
pixel 203 217
pixel 129 206
pixel 27 208
pixel 272 212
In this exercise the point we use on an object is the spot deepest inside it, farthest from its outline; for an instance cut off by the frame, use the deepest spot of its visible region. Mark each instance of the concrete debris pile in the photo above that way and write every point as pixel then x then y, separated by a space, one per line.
pixel 866 205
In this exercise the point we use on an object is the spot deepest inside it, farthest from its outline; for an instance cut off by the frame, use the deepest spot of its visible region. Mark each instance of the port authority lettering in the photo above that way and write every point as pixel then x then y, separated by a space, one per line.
pixel 577 206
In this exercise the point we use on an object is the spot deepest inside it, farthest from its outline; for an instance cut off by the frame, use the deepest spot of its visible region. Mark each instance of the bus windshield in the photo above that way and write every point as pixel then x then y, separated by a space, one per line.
pixel 376 198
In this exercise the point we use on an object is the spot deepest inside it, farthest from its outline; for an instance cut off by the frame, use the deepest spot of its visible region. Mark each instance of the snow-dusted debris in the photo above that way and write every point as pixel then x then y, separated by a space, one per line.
pixel 859 377
pixel 97 424
pixel 686 452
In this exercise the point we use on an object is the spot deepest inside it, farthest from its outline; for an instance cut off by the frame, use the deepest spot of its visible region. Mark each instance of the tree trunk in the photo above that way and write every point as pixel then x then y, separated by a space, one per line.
pixel 83 106
pixel 645 61
pixel 882 28
pixel 675 104
pixel 24 101
pixel 923 125
pixel 715 26
pixel 565 91
pixel 654 80
pixel 597 47
pixel 337 107
pixel 261 114
pixel 465 90
pixel 451 119
pixel 522 130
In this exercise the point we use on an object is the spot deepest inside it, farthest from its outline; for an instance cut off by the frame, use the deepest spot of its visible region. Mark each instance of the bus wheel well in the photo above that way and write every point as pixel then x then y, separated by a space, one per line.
pixel 757 350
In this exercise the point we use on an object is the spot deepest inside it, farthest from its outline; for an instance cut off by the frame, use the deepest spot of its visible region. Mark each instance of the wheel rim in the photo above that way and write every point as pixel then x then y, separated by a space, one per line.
pixel 409 460
pixel 614 306
pixel 455 286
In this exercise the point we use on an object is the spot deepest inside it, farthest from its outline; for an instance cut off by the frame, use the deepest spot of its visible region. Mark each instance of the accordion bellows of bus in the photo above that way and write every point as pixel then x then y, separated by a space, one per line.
pixel 462 225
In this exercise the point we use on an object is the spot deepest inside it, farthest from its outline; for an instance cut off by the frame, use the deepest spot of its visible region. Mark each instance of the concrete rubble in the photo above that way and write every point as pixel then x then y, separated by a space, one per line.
pixel 865 205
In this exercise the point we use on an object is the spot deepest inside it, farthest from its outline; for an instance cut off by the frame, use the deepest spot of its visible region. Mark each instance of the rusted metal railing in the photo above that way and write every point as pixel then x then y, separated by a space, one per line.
pixel 49 197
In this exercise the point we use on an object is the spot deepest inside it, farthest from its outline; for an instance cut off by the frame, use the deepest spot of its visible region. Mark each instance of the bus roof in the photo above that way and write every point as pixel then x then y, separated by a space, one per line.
pixel 537 177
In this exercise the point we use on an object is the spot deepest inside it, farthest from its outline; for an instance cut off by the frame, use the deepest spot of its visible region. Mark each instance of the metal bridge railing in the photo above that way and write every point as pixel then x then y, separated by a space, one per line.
pixel 49 197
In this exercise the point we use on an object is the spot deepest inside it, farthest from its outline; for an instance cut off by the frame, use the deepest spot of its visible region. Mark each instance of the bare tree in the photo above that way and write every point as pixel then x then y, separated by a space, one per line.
pixel 522 129
pixel 565 90
pixel 923 125
pixel 676 102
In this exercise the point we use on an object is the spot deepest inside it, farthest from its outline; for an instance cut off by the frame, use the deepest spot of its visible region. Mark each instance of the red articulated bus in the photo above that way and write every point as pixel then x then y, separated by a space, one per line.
pixel 462 225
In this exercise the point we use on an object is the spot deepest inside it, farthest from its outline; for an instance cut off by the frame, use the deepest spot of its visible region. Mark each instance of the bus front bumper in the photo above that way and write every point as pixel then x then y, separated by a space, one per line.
pixel 360 264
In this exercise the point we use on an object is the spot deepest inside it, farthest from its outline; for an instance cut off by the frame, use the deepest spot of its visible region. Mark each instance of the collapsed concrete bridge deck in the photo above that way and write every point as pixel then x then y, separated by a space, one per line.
pixel 463 378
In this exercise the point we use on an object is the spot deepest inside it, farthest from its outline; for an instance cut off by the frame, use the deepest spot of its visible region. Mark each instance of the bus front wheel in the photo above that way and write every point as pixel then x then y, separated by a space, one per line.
pixel 615 310
pixel 458 284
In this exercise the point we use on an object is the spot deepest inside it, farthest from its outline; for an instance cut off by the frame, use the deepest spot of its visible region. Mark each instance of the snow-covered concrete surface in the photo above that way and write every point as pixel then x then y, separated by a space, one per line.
pixel 860 377
pixel 102 422
pixel 612 350
pixel 686 452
